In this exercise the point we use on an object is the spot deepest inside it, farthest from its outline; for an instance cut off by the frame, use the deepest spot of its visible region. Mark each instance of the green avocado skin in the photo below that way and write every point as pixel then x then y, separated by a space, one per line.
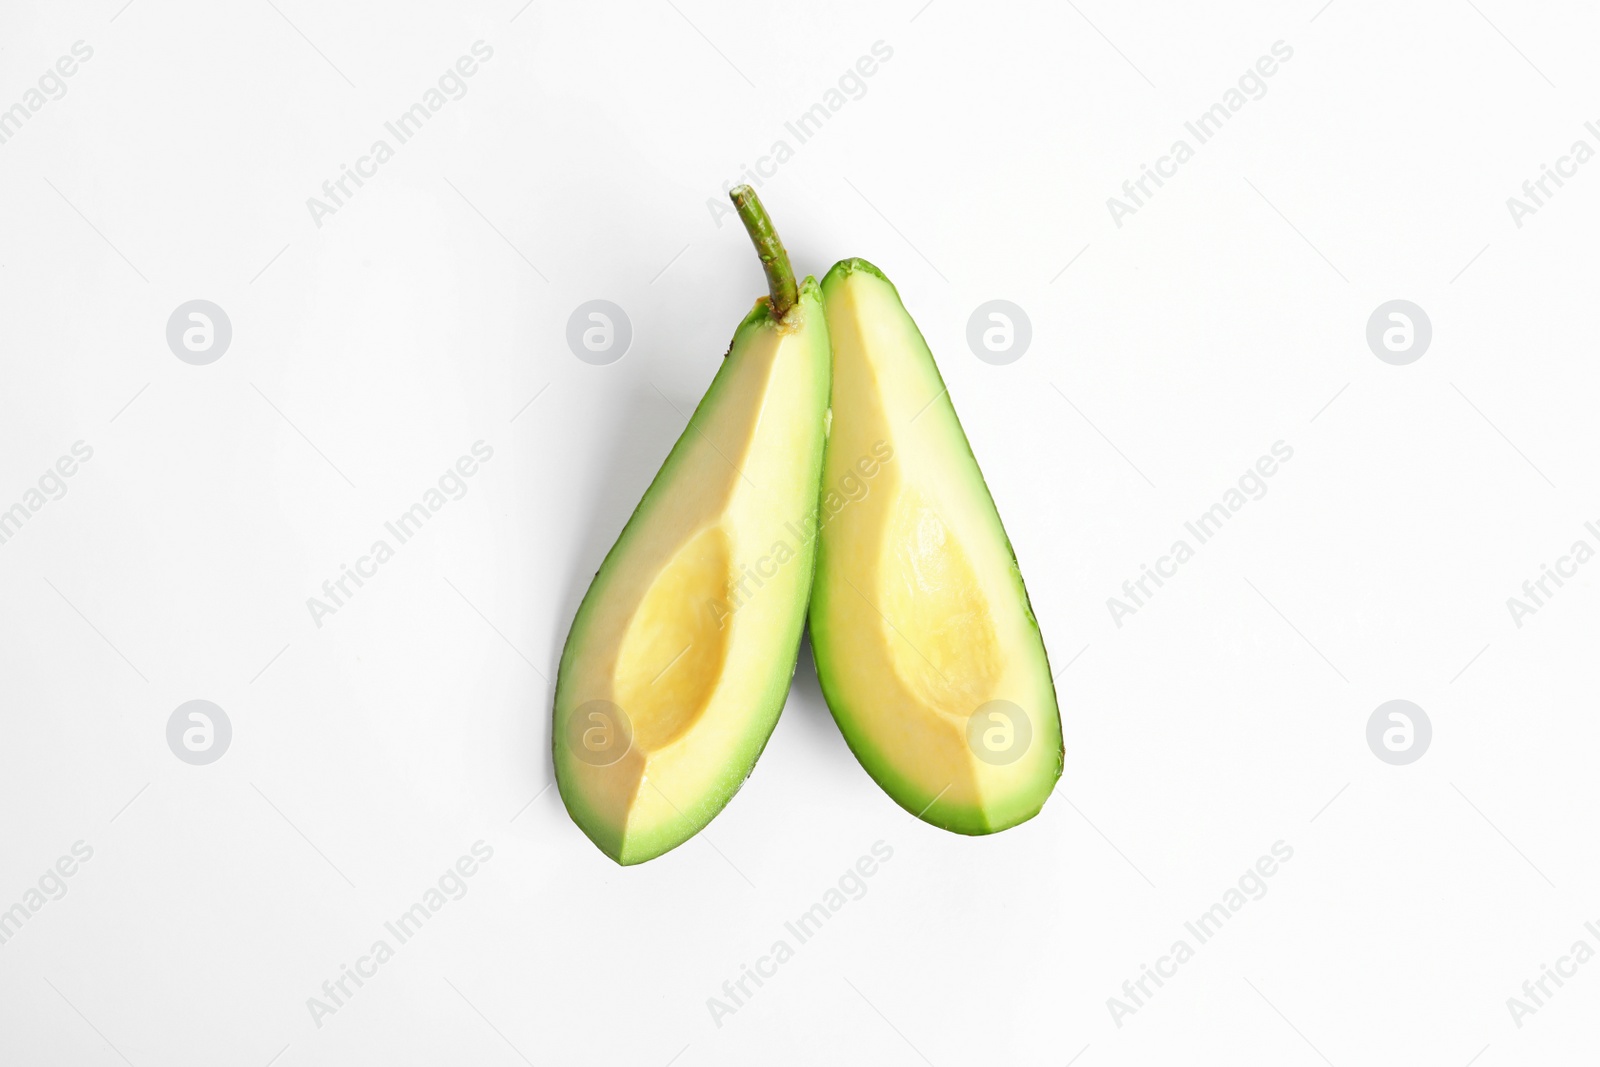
pixel 831 643
pixel 697 811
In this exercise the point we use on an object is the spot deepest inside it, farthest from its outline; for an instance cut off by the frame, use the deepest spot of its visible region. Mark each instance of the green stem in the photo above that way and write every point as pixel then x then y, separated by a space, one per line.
pixel 774 260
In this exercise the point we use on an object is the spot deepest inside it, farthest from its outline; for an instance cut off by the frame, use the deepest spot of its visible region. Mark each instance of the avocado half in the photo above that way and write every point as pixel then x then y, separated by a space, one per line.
pixel 681 655
pixel 926 647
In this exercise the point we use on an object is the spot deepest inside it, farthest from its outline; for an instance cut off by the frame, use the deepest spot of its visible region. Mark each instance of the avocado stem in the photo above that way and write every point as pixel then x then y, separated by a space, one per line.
pixel 769 246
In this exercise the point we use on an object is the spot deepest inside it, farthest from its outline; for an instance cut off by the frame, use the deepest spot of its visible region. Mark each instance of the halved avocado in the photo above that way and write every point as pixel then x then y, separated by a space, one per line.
pixel 926 646
pixel 681 654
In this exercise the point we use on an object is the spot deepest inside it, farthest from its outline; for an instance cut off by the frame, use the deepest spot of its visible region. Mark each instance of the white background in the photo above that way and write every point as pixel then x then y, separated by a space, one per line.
pixel 368 354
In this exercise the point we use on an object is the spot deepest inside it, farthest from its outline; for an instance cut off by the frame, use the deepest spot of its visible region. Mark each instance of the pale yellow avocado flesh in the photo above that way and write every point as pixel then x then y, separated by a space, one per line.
pixel 692 624
pixel 919 618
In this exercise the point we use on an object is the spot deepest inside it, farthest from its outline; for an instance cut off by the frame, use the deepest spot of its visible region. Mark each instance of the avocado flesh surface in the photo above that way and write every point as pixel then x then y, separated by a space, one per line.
pixel 918 613
pixel 692 625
